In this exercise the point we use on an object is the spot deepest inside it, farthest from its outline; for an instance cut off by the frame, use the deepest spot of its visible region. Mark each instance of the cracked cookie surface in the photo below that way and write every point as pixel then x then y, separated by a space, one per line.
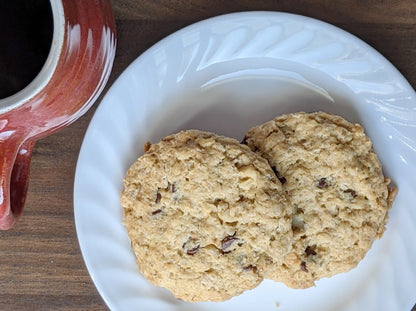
pixel 203 213
pixel 334 182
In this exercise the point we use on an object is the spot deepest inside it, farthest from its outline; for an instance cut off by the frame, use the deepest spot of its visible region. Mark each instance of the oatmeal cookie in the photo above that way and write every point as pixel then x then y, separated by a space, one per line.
pixel 202 211
pixel 335 185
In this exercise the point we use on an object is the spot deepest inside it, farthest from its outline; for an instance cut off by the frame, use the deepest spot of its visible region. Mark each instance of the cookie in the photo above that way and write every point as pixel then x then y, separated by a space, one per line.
pixel 335 185
pixel 203 213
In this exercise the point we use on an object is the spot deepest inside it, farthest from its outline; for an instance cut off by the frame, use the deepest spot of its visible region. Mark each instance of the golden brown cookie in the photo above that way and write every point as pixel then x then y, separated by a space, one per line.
pixel 334 182
pixel 202 211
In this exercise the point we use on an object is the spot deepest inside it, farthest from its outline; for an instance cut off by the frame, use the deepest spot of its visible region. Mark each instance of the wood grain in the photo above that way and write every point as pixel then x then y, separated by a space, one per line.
pixel 41 267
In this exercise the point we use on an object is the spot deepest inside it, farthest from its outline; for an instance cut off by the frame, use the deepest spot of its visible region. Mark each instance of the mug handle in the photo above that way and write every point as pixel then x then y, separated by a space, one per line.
pixel 14 180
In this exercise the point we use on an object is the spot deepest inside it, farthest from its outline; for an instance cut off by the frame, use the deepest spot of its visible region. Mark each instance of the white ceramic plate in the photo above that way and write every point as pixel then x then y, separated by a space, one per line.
pixel 225 75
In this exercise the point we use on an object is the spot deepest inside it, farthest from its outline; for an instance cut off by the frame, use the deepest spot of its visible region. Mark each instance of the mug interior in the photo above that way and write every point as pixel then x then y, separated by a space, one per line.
pixel 42 78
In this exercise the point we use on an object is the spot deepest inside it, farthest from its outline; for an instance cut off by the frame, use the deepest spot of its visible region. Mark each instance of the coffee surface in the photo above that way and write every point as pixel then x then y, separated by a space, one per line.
pixel 26 29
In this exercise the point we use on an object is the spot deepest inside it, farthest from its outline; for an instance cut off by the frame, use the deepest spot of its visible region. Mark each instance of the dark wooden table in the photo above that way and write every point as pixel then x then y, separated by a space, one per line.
pixel 41 267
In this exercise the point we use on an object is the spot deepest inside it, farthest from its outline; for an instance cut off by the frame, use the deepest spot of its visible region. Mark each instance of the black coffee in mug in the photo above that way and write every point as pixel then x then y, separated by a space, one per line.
pixel 26 29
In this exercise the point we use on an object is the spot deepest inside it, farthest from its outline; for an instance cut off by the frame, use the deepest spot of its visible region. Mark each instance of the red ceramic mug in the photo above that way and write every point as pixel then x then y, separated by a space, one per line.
pixel 75 72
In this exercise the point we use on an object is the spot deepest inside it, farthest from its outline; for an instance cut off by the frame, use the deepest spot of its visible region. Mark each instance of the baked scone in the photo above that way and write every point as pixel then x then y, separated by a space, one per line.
pixel 334 182
pixel 201 211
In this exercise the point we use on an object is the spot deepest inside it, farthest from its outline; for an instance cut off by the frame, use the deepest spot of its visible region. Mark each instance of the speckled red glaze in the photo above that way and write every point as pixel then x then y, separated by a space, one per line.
pixel 81 72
